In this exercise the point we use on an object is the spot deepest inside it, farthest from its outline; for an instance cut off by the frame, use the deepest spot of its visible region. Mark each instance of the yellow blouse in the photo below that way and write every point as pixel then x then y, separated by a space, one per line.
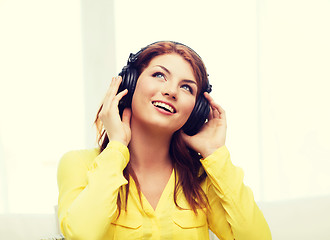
pixel 88 187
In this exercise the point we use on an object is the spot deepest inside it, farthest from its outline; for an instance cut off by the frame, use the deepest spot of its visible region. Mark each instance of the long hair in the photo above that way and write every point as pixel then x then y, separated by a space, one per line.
pixel 186 161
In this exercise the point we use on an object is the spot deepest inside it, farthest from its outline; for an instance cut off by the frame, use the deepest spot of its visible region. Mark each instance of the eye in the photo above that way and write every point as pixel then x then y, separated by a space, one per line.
pixel 187 87
pixel 159 75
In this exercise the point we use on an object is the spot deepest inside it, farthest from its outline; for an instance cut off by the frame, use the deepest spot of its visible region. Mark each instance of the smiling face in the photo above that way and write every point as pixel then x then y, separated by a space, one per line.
pixel 165 94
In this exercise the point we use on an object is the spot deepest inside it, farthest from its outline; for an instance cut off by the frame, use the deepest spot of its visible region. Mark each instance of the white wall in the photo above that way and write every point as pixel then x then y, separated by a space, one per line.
pixel 268 64
pixel 41 99
pixel 294 59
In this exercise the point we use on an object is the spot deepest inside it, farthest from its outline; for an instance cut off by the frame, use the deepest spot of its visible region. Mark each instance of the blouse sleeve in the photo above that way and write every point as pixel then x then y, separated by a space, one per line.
pixel 231 201
pixel 88 191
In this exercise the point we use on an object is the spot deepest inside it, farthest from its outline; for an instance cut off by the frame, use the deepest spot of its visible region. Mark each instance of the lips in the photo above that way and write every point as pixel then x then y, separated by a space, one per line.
pixel 165 106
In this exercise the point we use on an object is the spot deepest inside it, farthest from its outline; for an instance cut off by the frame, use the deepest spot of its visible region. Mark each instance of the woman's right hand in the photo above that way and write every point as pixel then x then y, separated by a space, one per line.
pixel 117 129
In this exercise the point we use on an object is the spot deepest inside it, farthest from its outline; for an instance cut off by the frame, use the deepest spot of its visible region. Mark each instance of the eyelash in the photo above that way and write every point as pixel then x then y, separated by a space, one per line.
pixel 156 74
pixel 189 88
pixel 159 73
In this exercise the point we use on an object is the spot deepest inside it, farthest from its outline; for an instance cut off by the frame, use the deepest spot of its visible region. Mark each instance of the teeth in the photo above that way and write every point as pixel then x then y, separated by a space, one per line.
pixel 163 105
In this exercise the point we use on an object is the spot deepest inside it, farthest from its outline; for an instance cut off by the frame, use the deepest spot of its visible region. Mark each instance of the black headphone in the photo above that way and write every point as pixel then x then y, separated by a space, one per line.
pixel 130 75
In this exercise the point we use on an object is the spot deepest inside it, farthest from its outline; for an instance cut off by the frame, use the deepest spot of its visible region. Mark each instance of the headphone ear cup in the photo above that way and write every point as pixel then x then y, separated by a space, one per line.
pixel 129 78
pixel 197 117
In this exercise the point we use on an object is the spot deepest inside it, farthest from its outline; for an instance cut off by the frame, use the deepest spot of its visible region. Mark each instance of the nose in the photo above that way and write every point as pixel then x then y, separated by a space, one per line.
pixel 169 90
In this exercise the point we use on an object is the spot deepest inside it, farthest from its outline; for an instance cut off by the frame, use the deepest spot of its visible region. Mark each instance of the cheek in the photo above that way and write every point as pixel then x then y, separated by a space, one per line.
pixel 142 95
pixel 189 106
pixel 144 87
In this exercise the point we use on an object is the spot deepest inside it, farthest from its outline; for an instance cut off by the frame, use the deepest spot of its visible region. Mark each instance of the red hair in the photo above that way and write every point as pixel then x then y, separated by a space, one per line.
pixel 186 161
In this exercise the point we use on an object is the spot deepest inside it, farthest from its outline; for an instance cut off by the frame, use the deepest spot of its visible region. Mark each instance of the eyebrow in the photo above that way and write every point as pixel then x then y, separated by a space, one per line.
pixel 168 71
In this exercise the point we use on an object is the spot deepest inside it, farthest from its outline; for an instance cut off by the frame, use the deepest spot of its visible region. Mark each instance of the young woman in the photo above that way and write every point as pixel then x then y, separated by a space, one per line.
pixel 161 171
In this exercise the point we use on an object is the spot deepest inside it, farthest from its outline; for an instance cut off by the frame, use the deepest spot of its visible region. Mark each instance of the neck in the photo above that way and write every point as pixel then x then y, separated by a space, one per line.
pixel 149 150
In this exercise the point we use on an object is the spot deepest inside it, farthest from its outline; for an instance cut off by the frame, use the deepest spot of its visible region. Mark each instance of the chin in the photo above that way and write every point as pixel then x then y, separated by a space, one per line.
pixel 163 128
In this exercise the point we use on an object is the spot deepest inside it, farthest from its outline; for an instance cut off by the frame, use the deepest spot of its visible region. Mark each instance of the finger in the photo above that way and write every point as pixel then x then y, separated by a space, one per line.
pixel 209 98
pixel 118 97
pixel 222 114
pixel 216 113
pixel 221 111
pixel 212 103
pixel 107 100
pixel 112 91
pixel 114 86
pixel 127 116
pixel 216 110
pixel 210 117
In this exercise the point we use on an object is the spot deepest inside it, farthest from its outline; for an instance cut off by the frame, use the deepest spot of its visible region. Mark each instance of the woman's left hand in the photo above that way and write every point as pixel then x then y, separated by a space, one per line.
pixel 213 133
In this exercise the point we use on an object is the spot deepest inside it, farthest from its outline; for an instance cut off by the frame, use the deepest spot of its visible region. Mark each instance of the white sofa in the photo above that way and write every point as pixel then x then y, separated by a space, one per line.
pixel 302 219
pixel 28 226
